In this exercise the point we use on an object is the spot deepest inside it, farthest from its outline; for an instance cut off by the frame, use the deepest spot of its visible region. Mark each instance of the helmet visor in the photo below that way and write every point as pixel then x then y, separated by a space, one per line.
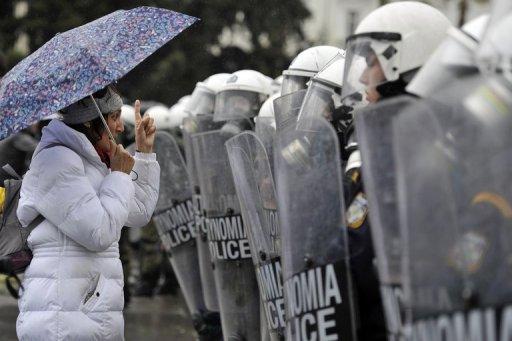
pixel 494 55
pixel 292 83
pixel 201 102
pixel 371 60
pixel 320 101
pixel 237 104
pixel 451 60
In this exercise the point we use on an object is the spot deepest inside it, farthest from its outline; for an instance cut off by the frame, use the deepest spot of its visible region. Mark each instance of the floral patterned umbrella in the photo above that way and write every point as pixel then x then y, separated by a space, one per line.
pixel 78 62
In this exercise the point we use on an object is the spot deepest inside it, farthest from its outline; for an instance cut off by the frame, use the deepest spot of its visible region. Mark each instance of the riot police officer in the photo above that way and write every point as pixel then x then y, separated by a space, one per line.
pixel 383 55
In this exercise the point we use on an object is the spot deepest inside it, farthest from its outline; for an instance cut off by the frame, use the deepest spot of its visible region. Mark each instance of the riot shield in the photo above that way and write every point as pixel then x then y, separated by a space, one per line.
pixel 287 108
pixel 374 135
pixel 175 223
pixel 193 125
pixel 265 129
pixel 237 288
pixel 317 281
pixel 453 183
pixel 255 188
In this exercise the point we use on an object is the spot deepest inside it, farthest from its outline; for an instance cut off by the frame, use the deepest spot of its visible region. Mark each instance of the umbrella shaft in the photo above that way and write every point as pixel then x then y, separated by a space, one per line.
pixel 103 120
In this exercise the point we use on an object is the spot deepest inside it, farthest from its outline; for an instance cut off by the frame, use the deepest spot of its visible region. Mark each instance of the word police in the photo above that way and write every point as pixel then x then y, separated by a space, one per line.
pixel 227 238
pixel 176 225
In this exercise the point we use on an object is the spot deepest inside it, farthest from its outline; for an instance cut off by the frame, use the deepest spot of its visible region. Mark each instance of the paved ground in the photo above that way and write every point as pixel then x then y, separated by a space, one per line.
pixel 158 318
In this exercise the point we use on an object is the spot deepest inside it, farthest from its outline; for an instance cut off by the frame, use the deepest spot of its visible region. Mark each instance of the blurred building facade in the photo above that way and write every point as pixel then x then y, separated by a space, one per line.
pixel 332 21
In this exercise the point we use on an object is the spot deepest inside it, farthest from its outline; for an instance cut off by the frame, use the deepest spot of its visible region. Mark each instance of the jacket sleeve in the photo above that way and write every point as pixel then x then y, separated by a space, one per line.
pixel 146 184
pixel 69 201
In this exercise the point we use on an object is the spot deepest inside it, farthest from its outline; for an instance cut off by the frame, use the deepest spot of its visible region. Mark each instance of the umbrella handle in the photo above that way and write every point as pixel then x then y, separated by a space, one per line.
pixel 103 120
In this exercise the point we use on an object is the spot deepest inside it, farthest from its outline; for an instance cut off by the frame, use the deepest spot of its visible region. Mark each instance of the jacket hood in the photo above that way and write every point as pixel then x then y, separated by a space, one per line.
pixel 57 132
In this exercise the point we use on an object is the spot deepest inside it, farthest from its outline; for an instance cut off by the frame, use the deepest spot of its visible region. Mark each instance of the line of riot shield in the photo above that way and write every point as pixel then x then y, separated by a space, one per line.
pixel 265 129
pixel 175 222
pixel 193 125
pixel 286 109
pixel 374 135
pixel 453 181
pixel 255 188
pixel 315 255
pixel 237 288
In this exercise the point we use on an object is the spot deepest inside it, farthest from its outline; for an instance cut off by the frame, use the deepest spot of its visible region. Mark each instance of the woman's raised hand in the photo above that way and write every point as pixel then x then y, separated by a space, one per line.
pixel 145 130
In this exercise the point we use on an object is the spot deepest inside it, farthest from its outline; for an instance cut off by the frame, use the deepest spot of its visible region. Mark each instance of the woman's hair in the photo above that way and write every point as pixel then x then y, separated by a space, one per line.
pixel 94 128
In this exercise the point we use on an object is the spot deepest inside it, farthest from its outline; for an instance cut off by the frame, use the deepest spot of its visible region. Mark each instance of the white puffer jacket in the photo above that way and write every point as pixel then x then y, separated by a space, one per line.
pixel 74 284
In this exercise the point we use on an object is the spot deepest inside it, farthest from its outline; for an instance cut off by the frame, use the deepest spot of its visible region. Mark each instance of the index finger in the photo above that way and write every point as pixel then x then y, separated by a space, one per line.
pixel 138 118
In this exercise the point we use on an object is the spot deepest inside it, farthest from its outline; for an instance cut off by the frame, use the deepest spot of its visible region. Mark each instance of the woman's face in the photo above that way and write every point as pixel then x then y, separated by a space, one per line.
pixel 372 76
pixel 116 126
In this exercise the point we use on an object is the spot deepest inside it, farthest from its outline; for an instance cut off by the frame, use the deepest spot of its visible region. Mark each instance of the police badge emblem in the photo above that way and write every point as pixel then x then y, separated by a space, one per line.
pixel 357 211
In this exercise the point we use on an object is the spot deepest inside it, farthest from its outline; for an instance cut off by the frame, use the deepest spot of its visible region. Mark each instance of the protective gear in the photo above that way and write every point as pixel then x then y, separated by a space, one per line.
pixel 389 45
pixel 267 108
pixel 161 116
pixel 454 58
pixel 128 114
pixel 235 278
pixel 375 139
pixel 128 117
pixel 265 128
pixel 175 222
pixel 202 100
pixel 242 95
pixel 494 54
pixel 177 112
pixel 494 50
pixel 314 241
pixel 277 83
pixel 255 189
pixel 455 202
pixel 286 109
pixel 305 65
pixel 191 126
pixel 266 113
pixel 323 96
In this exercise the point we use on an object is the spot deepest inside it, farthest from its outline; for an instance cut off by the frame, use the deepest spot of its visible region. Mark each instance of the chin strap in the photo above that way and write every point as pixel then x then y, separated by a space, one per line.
pixel 342 121
pixel 397 87
pixel 392 89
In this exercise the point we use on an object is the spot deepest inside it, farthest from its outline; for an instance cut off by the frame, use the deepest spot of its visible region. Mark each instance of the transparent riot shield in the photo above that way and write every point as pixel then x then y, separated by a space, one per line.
pixel 453 181
pixel 175 222
pixel 375 138
pixel 237 288
pixel 317 281
pixel 255 188
pixel 287 108
pixel 193 125
pixel 265 129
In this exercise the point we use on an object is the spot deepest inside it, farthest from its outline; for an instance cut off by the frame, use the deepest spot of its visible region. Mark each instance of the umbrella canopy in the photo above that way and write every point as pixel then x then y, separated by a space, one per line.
pixel 78 62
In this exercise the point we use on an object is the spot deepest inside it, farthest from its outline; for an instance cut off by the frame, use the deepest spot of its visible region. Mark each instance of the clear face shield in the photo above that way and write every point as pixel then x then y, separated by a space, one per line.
pixel 495 51
pixel 237 105
pixel 292 83
pixel 372 59
pixel 286 109
pixel 320 101
pixel 451 60
pixel 201 102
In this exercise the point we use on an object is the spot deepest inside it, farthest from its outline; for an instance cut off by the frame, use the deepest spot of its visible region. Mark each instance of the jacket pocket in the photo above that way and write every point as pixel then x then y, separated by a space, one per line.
pixel 93 294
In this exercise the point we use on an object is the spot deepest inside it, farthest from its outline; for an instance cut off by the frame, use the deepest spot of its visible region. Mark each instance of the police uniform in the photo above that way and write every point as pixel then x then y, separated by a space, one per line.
pixel 371 322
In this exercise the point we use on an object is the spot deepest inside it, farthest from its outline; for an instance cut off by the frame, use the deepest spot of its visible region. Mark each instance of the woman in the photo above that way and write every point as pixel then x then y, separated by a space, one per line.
pixel 86 187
